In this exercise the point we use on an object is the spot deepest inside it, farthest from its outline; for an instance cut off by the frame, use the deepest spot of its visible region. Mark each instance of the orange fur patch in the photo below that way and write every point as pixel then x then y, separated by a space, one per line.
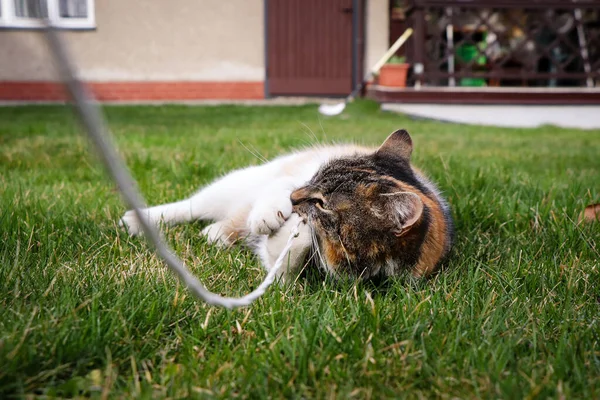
pixel 333 254
pixel 375 249
pixel 434 244
pixel 343 206
pixel 366 190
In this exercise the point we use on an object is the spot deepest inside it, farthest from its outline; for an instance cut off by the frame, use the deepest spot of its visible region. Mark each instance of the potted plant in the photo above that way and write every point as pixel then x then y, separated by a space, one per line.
pixel 399 8
pixel 393 73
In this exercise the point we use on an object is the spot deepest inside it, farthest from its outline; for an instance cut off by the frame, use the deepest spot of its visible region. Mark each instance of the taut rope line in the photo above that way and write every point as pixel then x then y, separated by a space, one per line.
pixel 93 123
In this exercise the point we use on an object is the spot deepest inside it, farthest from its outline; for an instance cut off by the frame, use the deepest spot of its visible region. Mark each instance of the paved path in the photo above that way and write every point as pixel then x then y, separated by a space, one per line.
pixel 584 117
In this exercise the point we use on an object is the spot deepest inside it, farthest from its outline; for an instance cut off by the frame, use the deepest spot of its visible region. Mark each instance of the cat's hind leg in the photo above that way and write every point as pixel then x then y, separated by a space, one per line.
pixel 219 201
pixel 170 214
pixel 227 231
pixel 220 233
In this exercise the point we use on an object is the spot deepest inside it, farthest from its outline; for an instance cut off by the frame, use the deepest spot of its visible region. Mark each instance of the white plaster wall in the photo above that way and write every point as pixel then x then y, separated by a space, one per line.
pixel 154 40
pixel 377 31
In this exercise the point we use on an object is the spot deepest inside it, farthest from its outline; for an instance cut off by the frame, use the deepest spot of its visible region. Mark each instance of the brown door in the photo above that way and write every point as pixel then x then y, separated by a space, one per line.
pixel 309 47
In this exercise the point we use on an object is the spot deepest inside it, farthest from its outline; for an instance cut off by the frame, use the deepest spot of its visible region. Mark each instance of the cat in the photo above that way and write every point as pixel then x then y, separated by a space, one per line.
pixel 361 212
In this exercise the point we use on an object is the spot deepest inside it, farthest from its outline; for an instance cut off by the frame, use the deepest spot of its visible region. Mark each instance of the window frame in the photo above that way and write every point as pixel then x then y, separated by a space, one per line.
pixel 8 18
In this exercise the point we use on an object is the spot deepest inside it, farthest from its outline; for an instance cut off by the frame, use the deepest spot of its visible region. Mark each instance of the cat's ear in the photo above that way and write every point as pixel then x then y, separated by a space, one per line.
pixel 406 209
pixel 398 144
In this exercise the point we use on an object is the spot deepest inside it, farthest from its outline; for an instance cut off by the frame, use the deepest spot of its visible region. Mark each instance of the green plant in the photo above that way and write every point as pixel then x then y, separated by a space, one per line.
pixel 397 60
pixel 399 4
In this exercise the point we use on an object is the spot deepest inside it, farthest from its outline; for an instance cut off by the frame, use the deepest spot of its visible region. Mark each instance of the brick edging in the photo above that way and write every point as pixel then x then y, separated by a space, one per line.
pixel 131 91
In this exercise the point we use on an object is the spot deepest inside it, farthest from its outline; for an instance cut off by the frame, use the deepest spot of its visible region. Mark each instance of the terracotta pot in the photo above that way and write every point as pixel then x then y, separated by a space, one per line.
pixel 393 75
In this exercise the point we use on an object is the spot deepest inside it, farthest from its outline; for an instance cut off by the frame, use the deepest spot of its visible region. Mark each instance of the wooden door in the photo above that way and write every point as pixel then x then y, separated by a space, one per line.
pixel 309 47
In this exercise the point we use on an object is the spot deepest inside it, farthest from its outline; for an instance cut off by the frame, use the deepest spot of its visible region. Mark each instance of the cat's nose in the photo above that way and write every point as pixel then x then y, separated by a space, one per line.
pixel 300 195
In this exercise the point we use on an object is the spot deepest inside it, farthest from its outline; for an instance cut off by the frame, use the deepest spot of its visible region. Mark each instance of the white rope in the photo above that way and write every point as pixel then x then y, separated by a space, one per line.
pixel 93 123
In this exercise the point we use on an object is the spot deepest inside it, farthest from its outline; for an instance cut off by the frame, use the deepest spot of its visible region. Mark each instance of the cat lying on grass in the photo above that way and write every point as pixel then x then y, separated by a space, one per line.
pixel 361 212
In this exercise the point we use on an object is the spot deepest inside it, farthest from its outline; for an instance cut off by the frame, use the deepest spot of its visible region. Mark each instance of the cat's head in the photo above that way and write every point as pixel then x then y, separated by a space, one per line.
pixel 364 216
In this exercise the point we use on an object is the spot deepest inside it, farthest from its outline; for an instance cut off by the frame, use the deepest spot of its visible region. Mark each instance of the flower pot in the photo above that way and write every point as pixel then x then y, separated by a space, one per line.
pixel 398 14
pixel 393 75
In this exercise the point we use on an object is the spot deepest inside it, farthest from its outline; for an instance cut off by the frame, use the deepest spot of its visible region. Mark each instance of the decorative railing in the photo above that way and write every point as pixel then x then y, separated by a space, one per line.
pixel 503 43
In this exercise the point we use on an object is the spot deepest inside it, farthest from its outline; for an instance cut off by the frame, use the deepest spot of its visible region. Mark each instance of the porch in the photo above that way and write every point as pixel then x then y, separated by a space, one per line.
pixel 497 52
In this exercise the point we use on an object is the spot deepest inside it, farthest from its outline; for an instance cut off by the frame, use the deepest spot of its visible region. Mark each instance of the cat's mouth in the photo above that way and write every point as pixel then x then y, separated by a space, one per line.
pixel 303 218
pixel 302 208
pixel 308 216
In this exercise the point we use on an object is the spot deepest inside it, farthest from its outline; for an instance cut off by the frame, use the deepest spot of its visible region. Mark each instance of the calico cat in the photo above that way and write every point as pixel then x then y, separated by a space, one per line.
pixel 361 212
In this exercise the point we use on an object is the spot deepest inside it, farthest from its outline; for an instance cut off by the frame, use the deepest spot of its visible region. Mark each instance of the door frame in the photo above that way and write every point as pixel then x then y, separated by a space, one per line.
pixel 358 43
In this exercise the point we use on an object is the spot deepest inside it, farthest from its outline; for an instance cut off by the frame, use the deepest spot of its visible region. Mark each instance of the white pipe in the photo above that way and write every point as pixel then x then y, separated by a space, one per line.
pixel 450 44
pixel 399 42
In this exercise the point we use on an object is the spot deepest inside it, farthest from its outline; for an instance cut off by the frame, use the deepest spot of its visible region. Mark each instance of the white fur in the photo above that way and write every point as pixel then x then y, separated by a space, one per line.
pixel 254 201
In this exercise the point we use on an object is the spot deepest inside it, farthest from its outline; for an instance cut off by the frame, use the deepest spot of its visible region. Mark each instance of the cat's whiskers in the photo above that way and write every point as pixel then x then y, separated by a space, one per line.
pixel 313 136
pixel 307 144
pixel 345 251
pixel 337 188
pixel 254 152
pixel 316 248
pixel 322 130
pixel 314 255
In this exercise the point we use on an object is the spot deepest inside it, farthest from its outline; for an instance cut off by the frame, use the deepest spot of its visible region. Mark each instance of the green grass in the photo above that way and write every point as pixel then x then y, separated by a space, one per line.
pixel 86 310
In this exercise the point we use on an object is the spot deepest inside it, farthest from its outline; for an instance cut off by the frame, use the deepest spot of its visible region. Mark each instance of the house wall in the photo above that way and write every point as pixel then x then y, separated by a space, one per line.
pixel 161 50
pixel 149 49
pixel 377 32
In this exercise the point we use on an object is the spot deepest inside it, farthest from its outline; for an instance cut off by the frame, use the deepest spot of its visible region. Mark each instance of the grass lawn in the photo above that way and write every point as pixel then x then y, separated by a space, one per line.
pixel 86 310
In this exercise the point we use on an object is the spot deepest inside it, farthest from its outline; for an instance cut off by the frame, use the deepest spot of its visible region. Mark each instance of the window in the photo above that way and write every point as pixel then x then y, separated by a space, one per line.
pixel 70 14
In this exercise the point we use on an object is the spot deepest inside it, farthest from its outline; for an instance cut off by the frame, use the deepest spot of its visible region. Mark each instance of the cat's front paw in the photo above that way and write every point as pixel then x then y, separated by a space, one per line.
pixel 268 216
pixel 131 223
